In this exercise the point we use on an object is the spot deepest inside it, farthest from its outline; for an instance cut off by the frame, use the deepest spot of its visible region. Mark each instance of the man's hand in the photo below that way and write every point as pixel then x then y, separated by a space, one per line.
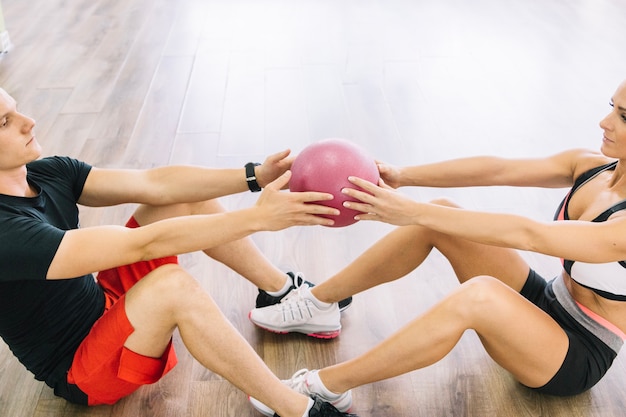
pixel 273 167
pixel 279 210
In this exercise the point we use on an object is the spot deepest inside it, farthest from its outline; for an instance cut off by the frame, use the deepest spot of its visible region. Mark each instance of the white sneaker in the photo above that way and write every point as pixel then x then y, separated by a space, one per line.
pixel 297 312
pixel 306 382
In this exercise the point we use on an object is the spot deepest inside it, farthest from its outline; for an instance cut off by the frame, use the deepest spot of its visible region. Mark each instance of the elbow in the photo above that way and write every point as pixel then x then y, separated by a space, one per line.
pixel 141 245
pixel 530 245
pixel 149 251
pixel 532 237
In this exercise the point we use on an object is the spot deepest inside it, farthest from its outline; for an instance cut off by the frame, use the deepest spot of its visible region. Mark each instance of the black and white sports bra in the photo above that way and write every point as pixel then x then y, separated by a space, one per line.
pixel 606 279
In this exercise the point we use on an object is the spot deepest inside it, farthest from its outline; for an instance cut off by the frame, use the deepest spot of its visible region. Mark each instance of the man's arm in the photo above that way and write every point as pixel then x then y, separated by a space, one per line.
pixel 93 249
pixel 175 184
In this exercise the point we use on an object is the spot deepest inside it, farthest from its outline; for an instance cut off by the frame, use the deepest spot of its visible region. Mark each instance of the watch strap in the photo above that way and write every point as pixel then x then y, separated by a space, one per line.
pixel 253 185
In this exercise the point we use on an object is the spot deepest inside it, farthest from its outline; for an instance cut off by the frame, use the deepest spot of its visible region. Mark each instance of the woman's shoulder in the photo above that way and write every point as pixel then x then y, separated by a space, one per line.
pixel 584 160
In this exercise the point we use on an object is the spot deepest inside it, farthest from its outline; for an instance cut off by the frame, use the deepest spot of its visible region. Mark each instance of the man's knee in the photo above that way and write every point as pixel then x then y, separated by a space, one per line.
pixel 207 207
pixel 168 285
pixel 153 307
pixel 156 305
pixel 146 214
pixel 444 201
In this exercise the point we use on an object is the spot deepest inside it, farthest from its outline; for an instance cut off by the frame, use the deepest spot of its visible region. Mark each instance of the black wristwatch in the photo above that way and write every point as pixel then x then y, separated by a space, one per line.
pixel 253 185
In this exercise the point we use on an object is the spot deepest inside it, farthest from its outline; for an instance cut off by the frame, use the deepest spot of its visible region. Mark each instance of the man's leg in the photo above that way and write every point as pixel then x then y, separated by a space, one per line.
pixel 169 298
pixel 151 307
pixel 242 255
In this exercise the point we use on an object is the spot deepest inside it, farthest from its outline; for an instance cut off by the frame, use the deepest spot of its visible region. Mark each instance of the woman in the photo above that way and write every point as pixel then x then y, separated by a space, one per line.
pixel 557 337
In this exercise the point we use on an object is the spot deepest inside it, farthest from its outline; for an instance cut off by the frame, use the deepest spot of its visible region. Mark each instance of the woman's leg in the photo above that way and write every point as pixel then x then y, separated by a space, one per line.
pixel 392 257
pixel 517 335
pixel 405 248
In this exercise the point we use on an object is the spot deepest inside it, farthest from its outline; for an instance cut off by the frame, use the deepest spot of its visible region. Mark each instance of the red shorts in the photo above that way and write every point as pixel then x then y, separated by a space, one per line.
pixel 102 367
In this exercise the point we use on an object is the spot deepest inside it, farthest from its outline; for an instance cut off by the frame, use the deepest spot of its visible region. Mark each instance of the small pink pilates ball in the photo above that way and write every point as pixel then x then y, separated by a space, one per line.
pixel 325 166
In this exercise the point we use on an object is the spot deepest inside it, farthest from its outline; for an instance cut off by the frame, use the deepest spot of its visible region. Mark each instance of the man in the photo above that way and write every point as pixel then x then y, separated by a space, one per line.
pixel 96 342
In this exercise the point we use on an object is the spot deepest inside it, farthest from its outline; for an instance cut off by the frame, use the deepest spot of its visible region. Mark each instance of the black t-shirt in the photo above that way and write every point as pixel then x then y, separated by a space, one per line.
pixel 43 321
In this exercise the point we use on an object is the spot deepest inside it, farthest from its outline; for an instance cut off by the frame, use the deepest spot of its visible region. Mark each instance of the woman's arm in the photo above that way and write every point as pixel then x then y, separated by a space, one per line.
pixel 552 172
pixel 93 249
pixel 580 240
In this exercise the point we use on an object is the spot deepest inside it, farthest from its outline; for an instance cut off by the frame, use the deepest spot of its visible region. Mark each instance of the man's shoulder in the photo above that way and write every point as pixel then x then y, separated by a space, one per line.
pixel 63 167
pixel 55 161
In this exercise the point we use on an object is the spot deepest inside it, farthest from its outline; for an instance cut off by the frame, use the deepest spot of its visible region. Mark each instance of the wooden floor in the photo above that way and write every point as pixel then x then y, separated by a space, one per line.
pixel 141 83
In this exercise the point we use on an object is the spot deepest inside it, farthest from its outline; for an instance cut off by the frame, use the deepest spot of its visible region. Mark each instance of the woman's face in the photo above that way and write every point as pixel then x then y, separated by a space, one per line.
pixel 614 126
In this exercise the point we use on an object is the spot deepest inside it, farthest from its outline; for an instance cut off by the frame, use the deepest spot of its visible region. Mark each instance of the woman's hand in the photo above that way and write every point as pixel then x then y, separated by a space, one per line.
pixel 389 174
pixel 381 202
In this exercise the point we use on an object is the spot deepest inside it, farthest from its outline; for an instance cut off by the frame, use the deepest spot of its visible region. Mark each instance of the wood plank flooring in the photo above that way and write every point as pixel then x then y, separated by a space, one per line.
pixel 141 83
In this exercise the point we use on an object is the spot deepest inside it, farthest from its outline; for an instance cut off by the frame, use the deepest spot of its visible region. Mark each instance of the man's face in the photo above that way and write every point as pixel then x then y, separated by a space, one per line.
pixel 18 145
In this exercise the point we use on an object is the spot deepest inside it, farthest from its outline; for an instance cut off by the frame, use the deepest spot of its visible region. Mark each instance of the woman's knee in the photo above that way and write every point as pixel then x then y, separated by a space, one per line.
pixel 482 297
pixel 442 240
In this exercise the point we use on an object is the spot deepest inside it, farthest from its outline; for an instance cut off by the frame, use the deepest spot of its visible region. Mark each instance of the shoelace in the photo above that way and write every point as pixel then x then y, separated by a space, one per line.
pixel 296 291
pixel 298 382
pixel 294 306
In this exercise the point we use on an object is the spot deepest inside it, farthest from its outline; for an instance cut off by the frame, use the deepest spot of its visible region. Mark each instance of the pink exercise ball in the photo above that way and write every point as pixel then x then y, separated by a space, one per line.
pixel 325 166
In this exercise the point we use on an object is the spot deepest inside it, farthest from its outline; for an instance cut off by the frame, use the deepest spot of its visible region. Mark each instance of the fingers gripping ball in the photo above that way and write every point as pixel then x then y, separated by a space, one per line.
pixel 325 166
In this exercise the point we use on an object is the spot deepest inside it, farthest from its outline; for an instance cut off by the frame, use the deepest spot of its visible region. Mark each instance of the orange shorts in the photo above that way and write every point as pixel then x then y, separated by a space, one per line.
pixel 103 368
